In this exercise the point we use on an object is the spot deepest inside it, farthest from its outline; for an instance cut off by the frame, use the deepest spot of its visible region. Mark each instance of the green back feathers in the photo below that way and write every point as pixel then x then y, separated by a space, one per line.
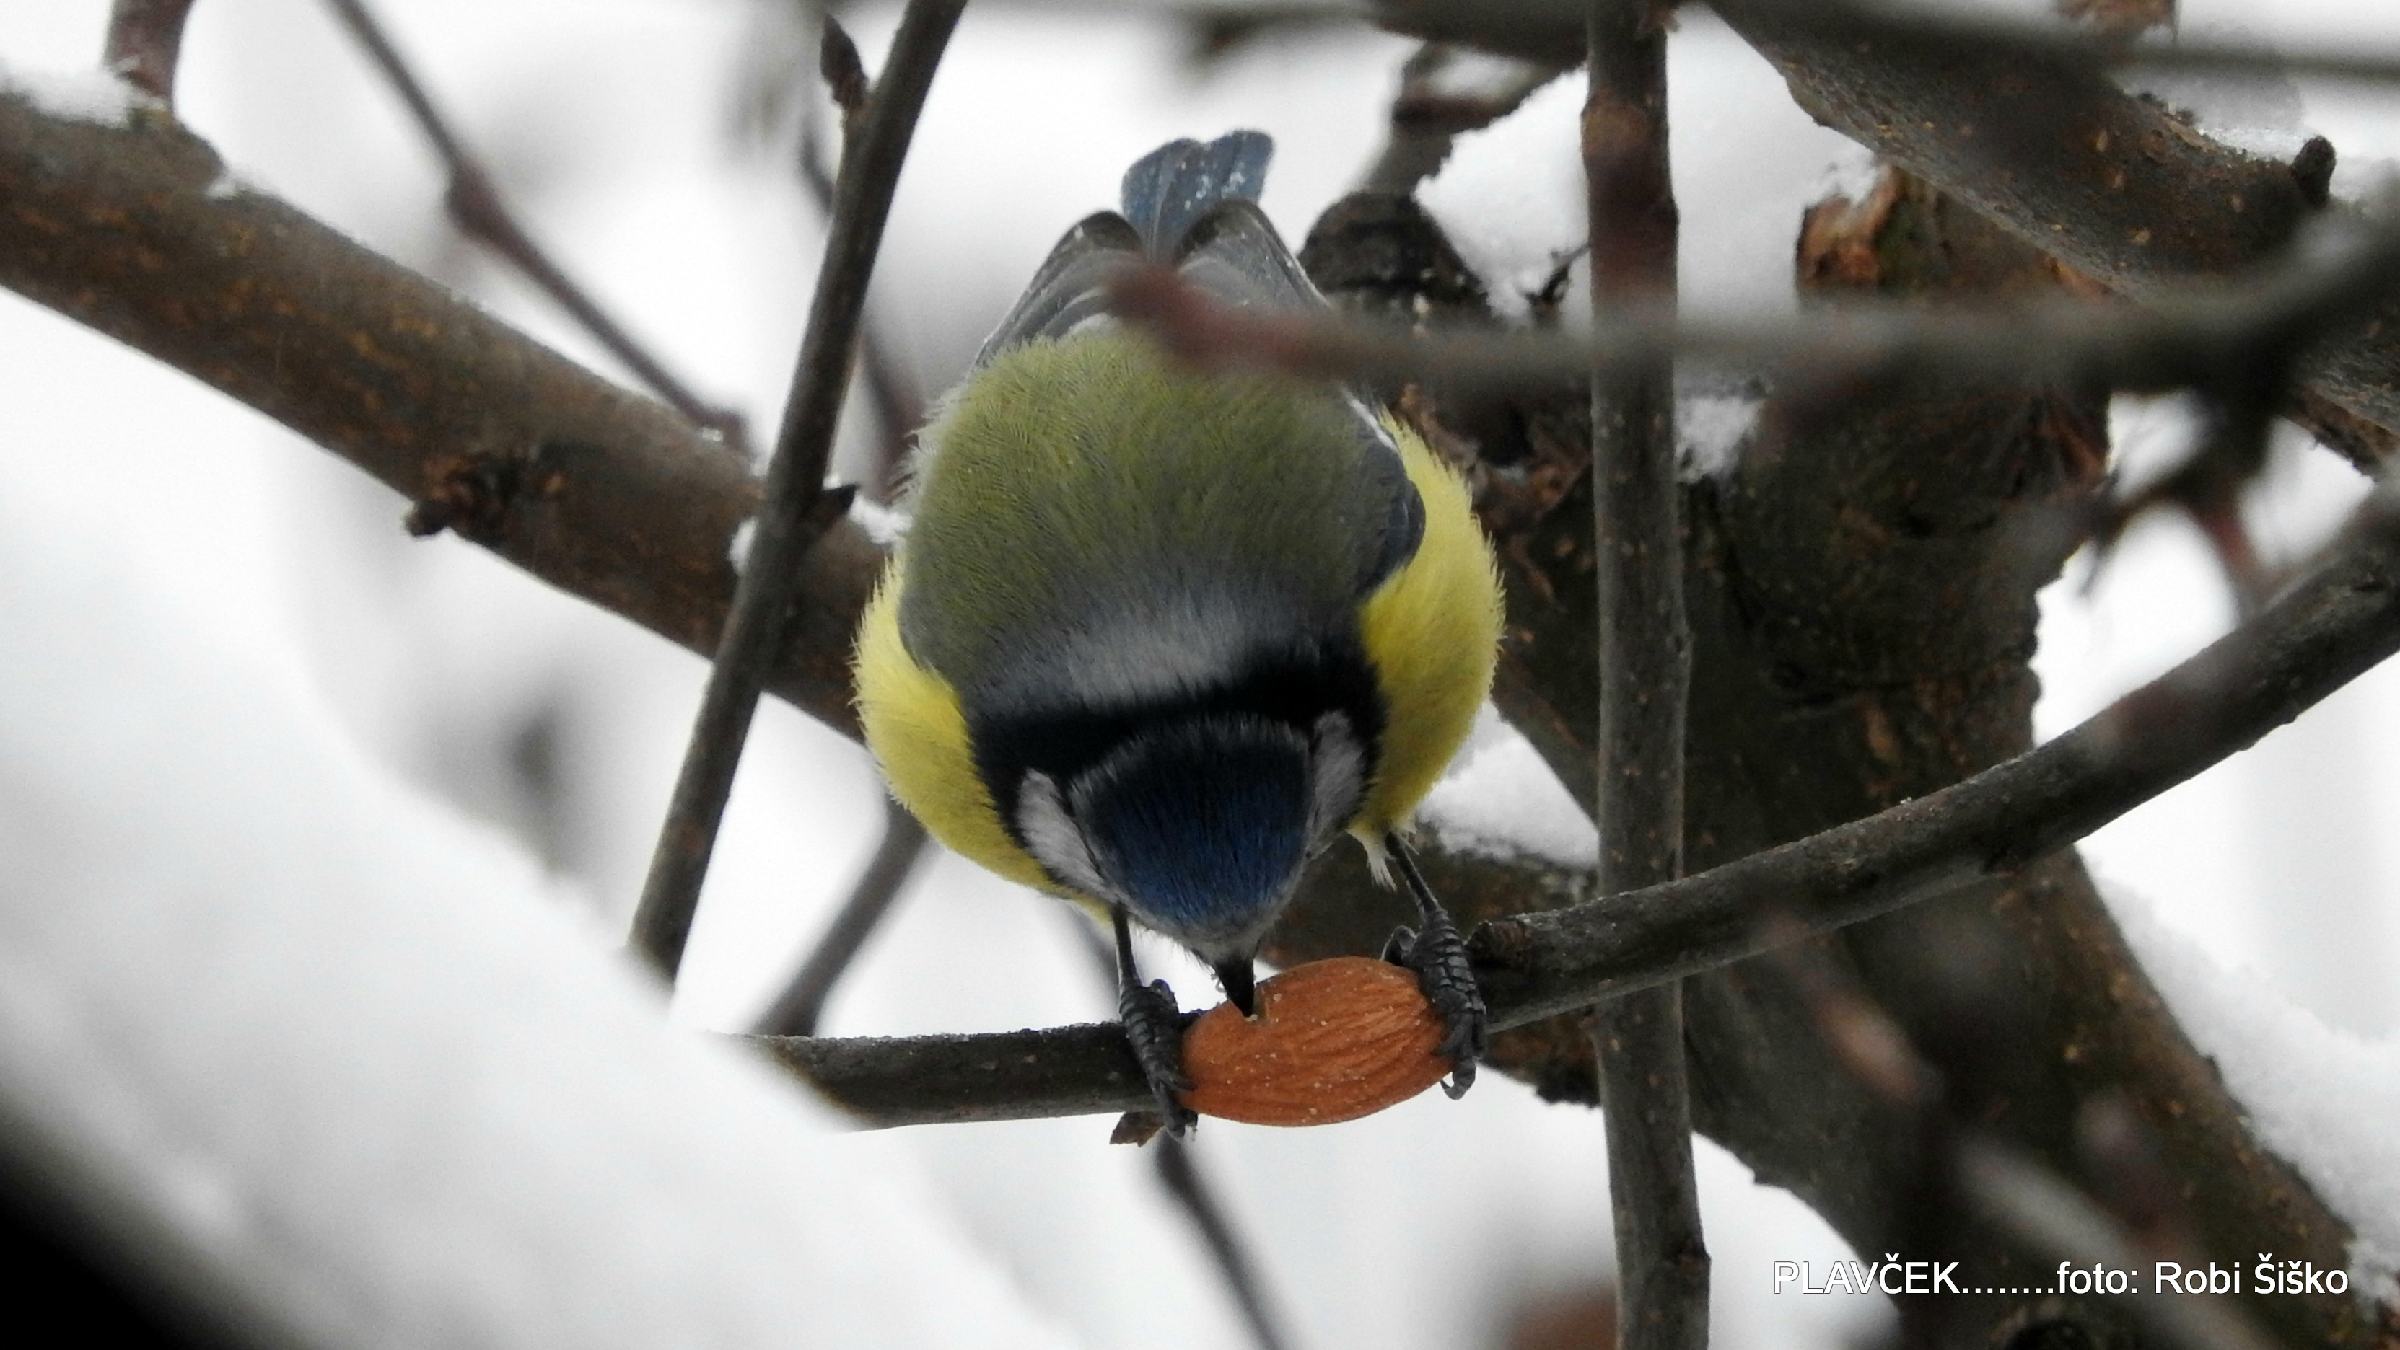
pixel 1095 519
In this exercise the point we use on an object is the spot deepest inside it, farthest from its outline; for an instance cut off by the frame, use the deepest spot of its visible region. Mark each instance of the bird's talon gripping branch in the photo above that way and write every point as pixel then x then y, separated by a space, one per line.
pixel 1153 1026
pixel 1437 955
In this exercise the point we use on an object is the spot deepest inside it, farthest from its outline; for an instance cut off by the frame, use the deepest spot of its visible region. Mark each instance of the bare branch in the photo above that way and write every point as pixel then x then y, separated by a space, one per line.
pixel 2324 632
pixel 1645 679
pixel 475 203
pixel 134 231
pixel 899 407
pixel 2312 301
pixel 798 508
pixel 145 42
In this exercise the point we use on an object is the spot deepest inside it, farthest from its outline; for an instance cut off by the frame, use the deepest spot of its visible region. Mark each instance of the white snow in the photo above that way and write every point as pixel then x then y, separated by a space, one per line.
pixel 96 96
pixel 884 524
pixel 2322 1098
pixel 1510 198
pixel 362 1054
pixel 1853 172
pixel 1463 73
pixel 1498 799
pixel 1710 430
pixel 737 548
pixel 1746 160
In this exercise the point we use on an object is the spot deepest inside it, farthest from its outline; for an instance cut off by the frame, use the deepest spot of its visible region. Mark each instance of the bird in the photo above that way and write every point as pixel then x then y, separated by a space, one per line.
pixel 1157 636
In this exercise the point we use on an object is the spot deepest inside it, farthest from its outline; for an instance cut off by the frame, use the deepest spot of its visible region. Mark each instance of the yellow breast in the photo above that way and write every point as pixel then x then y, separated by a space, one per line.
pixel 915 727
pixel 1432 632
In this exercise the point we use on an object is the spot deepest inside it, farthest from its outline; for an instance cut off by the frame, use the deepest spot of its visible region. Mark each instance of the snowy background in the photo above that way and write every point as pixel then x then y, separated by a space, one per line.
pixel 319 840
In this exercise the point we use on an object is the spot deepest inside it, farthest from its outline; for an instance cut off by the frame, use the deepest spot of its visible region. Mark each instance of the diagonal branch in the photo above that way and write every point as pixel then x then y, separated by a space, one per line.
pixel 797 508
pixel 612 497
pixel 475 203
pixel 2324 632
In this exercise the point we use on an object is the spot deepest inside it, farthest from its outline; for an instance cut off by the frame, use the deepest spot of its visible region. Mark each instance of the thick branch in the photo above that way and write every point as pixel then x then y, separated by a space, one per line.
pixel 596 490
pixel 2053 150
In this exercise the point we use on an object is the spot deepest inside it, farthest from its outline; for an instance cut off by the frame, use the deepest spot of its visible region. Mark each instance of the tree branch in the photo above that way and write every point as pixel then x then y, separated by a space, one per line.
pixel 2324 632
pixel 797 507
pixel 2312 299
pixel 2034 135
pixel 1645 679
pixel 601 492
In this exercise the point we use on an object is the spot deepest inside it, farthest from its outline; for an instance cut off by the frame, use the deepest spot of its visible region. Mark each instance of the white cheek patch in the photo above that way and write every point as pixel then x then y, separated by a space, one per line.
pixel 1055 840
pixel 1338 777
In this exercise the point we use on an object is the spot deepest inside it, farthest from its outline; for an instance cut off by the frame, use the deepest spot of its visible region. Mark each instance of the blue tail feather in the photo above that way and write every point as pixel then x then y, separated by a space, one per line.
pixel 1170 188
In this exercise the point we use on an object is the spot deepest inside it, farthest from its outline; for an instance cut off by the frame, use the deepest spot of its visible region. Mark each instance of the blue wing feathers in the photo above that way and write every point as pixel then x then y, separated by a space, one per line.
pixel 1168 190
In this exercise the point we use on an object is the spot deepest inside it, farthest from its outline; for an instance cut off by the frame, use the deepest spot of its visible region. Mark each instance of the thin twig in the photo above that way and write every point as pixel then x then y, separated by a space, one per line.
pixel 898 853
pixel 145 43
pixel 475 204
pixel 1645 679
pixel 797 506
pixel 1544 30
pixel 2191 338
pixel 2327 630
pixel 899 406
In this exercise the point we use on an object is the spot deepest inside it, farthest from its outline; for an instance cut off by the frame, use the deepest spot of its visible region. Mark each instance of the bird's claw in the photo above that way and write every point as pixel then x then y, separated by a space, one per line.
pixel 1153 1025
pixel 1438 957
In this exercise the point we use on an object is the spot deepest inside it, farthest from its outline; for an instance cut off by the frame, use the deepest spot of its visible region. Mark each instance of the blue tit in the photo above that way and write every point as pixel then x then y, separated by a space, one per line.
pixel 1157 636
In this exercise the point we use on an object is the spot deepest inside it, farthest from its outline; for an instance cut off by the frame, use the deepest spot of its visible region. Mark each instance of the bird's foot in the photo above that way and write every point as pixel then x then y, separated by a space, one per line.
pixel 1154 1026
pixel 1438 957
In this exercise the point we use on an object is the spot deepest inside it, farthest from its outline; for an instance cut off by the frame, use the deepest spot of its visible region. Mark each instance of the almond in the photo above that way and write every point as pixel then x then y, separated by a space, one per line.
pixel 1333 1040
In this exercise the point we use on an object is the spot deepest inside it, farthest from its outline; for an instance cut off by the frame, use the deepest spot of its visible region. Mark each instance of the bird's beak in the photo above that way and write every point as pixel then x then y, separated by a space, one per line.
pixel 1240 983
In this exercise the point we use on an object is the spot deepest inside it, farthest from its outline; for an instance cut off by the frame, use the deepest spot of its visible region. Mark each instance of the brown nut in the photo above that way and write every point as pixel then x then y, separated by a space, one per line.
pixel 1333 1040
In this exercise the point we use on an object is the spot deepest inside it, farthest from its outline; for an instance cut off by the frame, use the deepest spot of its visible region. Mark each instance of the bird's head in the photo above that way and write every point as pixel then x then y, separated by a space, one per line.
pixel 1200 827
